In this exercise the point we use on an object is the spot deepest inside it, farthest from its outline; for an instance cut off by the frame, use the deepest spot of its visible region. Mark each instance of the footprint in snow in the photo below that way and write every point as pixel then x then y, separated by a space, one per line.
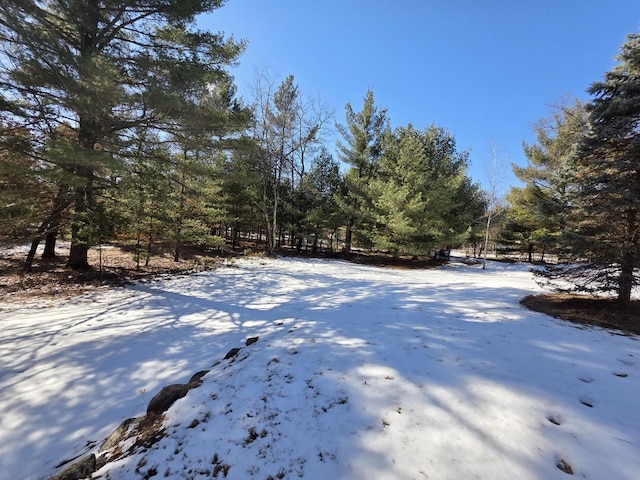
pixel 626 361
pixel 585 379
pixel 621 374
pixel 555 419
pixel 587 401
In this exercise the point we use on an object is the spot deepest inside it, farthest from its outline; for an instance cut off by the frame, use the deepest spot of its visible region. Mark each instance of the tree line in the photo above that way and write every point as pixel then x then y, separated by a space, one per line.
pixel 120 121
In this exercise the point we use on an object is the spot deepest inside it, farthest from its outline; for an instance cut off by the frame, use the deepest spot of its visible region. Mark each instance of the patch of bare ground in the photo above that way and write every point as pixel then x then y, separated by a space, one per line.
pixel 112 266
pixel 583 310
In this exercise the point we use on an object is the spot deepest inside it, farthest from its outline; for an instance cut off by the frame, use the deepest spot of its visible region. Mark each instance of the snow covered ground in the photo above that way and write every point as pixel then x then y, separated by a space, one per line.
pixel 359 373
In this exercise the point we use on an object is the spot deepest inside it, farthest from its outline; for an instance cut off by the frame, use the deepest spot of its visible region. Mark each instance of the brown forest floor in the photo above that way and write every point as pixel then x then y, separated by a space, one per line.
pixel 50 280
pixel 583 310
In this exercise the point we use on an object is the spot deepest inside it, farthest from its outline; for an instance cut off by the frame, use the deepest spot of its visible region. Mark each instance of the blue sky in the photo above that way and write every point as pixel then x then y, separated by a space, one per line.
pixel 486 69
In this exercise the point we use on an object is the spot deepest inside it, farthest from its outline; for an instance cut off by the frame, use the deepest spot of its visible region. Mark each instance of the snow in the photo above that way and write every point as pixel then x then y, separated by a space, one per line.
pixel 359 372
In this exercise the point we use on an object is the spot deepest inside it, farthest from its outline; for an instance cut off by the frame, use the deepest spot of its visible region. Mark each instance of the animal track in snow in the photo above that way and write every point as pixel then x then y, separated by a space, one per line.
pixel 585 379
pixel 587 401
pixel 555 419
pixel 626 361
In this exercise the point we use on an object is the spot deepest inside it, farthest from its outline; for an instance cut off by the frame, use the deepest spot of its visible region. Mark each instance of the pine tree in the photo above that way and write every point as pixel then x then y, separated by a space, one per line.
pixel 105 68
pixel 422 194
pixel 141 200
pixel 602 218
pixel 536 213
pixel 609 173
pixel 240 193
pixel 322 184
pixel 361 148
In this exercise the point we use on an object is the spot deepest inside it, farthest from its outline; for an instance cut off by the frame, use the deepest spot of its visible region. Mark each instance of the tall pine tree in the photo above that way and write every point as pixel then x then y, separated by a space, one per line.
pixel 361 148
pixel 602 217
pixel 423 196
pixel 105 68
pixel 536 214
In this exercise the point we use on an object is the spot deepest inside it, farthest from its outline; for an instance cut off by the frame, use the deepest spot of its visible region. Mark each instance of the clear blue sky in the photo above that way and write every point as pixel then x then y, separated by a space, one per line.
pixel 484 69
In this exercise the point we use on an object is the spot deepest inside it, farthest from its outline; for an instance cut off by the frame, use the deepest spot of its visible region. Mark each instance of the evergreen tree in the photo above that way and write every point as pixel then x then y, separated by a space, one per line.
pixel 22 179
pixel 549 174
pixel 240 193
pixel 361 148
pixel 105 68
pixel 141 203
pixel 322 185
pixel 601 221
pixel 422 194
pixel 525 226
pixel 537 212
pixel 608 169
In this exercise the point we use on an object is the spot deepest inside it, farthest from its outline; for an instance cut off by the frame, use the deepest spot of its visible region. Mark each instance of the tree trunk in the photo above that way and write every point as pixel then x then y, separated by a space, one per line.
pixel 50 244
pixel 52 219
pixel 59 204
pixel 78 257
pixel 531 253
pixel 138 249
pixel 149 250
pixel 28 263
pixel 625 281
pixel 235 234
pixel 486 243
pixel 89 133
pixel 314 247
pixel 78 253
pixel 347 238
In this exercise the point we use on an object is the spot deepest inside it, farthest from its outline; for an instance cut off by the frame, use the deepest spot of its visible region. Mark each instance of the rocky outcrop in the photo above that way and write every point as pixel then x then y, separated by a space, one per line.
pixel 148 426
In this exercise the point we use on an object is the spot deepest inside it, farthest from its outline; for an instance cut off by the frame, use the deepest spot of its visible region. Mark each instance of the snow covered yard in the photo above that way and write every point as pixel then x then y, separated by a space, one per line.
pixel 359 372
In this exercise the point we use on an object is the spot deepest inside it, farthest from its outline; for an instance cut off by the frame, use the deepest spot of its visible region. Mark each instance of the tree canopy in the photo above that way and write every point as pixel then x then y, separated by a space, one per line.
pixel 103 71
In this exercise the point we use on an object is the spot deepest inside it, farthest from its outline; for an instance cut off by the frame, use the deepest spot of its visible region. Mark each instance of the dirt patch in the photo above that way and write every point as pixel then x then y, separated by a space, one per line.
pixel 583 310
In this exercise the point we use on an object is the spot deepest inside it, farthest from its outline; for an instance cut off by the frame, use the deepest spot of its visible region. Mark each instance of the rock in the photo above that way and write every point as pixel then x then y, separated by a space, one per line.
pixel 118 434
pixel 196 378
pixel 564 466
pixel 251 340
pixel 231 353
pixel 83 468
pixel 167 397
